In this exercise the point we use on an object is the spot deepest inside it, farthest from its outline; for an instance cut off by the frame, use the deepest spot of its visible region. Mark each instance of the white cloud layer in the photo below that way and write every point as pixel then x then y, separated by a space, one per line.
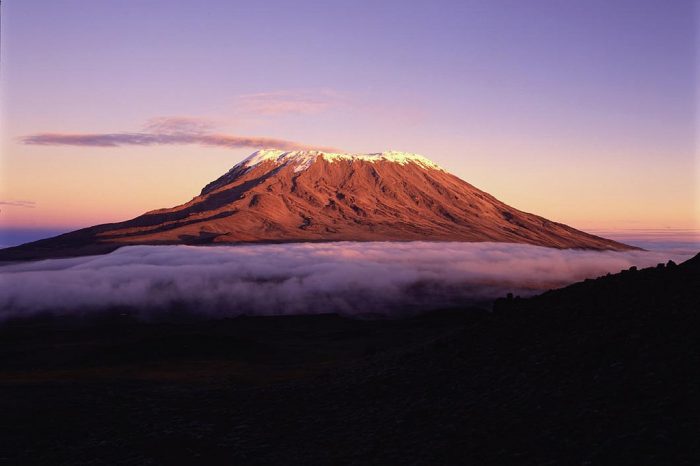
pixel 348 278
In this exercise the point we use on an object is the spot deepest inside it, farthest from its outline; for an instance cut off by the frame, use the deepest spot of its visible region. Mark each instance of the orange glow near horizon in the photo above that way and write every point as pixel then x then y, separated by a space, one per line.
pixel 71 189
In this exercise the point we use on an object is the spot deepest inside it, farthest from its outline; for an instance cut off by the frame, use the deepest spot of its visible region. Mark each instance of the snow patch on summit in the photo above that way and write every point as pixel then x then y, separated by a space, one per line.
pixel 303 159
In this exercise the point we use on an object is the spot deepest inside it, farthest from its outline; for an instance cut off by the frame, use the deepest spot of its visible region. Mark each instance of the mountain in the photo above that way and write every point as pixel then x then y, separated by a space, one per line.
pixel 278 196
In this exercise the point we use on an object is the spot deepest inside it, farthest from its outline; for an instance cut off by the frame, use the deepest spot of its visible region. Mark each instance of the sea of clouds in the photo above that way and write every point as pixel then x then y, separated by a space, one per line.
pixel 345 277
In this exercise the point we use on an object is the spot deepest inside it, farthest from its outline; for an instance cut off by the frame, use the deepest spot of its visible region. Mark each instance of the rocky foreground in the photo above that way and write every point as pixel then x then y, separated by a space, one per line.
pixel 602 372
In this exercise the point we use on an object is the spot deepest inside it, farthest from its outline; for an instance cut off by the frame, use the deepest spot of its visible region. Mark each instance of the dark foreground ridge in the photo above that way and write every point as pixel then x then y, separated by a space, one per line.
pixel 602 372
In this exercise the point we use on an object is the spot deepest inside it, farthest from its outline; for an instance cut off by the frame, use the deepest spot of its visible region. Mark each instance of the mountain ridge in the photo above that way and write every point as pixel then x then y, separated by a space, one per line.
pixel 297 196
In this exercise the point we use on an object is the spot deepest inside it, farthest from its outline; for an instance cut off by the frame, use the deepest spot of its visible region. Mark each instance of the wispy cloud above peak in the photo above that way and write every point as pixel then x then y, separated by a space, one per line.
pixel 168 131
pixel 291 102
pixel 179 125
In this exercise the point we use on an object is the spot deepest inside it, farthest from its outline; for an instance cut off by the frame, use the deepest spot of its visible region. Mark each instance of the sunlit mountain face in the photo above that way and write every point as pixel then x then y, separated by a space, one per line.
pixel 289 196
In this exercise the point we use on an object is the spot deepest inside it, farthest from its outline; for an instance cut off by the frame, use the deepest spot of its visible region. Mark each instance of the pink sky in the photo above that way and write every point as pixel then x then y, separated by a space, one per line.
pixel 577 113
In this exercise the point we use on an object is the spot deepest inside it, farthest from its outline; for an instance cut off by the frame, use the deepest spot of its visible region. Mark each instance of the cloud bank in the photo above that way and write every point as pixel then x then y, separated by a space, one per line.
pixel 168 131
pixel 348 278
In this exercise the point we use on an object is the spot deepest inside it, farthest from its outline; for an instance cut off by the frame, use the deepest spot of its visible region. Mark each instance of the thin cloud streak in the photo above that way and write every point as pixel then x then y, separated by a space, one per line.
pixel 179 125
pixel 290 102
pixel 19 203
pixel 168 131
pixel 147 139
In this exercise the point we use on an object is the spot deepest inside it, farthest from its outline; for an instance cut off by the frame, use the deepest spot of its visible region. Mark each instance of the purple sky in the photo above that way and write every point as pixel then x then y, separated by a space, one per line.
pixel 582 111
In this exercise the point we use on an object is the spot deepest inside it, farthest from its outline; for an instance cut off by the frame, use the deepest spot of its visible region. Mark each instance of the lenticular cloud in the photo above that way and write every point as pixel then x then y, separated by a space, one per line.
pixel 347 278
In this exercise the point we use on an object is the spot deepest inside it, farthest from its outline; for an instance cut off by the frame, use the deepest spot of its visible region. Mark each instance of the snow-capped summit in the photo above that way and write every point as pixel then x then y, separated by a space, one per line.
pixel 302 159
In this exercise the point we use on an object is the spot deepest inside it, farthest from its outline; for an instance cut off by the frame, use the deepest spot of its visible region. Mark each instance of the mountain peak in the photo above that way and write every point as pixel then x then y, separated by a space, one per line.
pixel 302 159
pixel 290 196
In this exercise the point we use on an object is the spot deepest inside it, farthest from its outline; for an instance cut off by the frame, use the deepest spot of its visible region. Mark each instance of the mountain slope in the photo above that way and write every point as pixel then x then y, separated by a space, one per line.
pixel 277 196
